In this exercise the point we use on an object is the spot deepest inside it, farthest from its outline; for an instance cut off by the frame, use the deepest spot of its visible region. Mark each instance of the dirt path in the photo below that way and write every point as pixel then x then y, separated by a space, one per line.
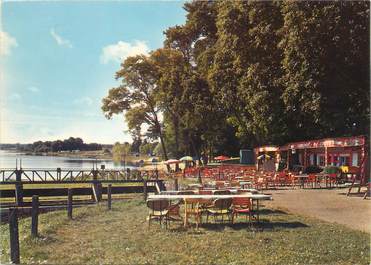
pixel 328 205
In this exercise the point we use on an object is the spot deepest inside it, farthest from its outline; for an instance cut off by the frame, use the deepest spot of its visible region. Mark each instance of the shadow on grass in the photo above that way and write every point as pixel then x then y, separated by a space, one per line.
pixel 270 211
pixel 266 225
pixel 253 226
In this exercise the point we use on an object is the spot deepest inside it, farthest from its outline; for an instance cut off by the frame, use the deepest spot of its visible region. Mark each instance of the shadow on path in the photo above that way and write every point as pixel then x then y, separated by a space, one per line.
pixel 353 194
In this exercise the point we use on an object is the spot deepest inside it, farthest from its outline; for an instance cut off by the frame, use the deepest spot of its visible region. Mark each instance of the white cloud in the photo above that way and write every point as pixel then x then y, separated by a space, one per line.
pixel 60 40
pixel 121 50
pixel 84 101
pixel 15 96
pixel 7 42
pixel 33 89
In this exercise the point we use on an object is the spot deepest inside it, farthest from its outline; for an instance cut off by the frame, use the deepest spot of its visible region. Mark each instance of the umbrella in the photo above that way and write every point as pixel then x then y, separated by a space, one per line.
pixel 172 161
pixel 221 158
pixel 262 156
pixel 186 158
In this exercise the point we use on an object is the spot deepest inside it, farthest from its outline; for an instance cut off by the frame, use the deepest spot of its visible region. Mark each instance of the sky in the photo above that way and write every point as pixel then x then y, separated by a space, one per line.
pixel 58 60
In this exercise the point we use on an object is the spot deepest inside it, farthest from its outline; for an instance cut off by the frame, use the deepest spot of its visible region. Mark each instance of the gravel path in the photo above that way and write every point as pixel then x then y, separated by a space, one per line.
pixel 328 205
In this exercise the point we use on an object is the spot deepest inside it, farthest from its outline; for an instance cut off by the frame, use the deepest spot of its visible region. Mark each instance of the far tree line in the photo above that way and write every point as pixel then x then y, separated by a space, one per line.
pixel 239 74
pixel 69 144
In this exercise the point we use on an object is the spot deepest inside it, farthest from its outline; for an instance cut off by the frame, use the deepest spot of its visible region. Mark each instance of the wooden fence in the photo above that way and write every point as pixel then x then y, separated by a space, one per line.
pixel 95 189
pixel 36 175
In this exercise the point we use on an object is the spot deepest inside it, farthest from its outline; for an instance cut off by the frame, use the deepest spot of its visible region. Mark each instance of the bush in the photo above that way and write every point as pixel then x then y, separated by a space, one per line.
pixel 312 169
pixel 331 170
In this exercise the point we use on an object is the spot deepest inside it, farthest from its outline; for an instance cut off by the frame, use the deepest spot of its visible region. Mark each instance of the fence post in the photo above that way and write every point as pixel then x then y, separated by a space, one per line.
pixel 97 190
pixel 35 215
pixel 176 185
pixel 145 189
pixel 69 204
pixel 19 193
pixel 109 196
pixel 14 236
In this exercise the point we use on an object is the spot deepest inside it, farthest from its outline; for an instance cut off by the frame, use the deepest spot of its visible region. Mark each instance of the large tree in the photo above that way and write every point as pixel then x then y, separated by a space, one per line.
pixel 326 68
pixel 136 96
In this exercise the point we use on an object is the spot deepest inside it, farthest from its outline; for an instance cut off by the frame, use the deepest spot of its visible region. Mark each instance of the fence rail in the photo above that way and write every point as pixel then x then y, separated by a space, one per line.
pixel 37 175
pixel 95 178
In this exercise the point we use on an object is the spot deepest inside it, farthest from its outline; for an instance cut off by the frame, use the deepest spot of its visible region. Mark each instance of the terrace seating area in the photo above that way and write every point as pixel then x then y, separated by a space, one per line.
pixel 226 176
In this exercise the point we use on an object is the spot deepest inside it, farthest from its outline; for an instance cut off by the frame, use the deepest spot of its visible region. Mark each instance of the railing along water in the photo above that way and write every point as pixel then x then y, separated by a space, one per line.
pixel 61 175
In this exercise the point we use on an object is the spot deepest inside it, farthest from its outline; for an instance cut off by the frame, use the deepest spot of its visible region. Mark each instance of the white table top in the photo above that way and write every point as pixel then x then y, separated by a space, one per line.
pixel 211 196
pixel 175 192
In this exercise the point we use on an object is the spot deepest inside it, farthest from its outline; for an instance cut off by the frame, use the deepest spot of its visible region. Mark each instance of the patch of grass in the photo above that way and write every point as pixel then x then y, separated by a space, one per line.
pixel 121 236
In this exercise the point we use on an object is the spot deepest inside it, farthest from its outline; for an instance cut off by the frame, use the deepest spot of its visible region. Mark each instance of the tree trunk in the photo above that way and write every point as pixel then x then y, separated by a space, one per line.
pixel 176 131
pixel 163 146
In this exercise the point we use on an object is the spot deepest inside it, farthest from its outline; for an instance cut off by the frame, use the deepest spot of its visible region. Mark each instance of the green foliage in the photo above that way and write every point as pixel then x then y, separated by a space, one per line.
pixel 120 151
pixel 245 73
pixel 148 147
pixel 69 144
pixel 326 67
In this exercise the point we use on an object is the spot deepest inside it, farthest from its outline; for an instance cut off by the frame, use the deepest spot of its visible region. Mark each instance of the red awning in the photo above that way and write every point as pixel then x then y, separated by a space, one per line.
pixel 221 158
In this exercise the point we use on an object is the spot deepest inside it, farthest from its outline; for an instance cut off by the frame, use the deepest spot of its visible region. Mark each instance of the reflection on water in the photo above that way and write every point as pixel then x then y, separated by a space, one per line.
pixel 8 160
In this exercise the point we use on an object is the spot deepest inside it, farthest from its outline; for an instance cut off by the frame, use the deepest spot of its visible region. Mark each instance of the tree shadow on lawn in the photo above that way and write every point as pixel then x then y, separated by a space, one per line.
pixel 271 211
pixel 278 225
pixel 263 225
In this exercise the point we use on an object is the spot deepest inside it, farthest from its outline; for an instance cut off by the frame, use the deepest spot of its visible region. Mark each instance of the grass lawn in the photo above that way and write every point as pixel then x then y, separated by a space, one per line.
pixel 121 236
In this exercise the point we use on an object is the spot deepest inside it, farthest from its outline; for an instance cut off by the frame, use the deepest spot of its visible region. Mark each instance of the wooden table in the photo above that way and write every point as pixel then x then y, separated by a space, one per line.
pixel 202 197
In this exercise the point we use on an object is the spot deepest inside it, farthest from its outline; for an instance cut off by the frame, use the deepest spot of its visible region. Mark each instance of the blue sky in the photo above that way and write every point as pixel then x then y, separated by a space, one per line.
pixel 58 60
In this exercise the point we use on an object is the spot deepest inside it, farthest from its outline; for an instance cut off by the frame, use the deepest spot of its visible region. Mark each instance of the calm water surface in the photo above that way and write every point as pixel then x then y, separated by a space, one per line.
pixel 8 160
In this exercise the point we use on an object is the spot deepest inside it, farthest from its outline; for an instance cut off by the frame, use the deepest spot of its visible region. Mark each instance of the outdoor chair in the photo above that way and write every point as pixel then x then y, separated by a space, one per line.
pixel 235 183
pixel 333 179
pixel 280 178
pixel 194 207
pixel 219 184
pixel 313 180
pixel 242 206
pixel 221 192
pixel 205 192
pixel 220 207
pixel 185 192
pixel 162 211
pixel 260 183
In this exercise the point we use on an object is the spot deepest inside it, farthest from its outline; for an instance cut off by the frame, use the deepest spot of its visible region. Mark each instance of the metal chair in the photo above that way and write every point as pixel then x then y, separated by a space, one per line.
pixel 163 211
pixel 242 206
pixel 220 207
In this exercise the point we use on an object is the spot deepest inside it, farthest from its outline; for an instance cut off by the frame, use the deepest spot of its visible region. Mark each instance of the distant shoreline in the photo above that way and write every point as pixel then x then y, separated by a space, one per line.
pixel 99 155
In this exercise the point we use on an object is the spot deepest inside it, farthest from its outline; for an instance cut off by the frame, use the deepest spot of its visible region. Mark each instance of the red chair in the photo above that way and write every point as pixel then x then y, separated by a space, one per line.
pixel 205 192
pixel 312 179
pixel 332 179
pixel 280 178
pixel 241 206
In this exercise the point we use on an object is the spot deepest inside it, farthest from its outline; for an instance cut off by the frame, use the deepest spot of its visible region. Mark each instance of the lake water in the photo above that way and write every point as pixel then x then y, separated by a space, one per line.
pixel 8 161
